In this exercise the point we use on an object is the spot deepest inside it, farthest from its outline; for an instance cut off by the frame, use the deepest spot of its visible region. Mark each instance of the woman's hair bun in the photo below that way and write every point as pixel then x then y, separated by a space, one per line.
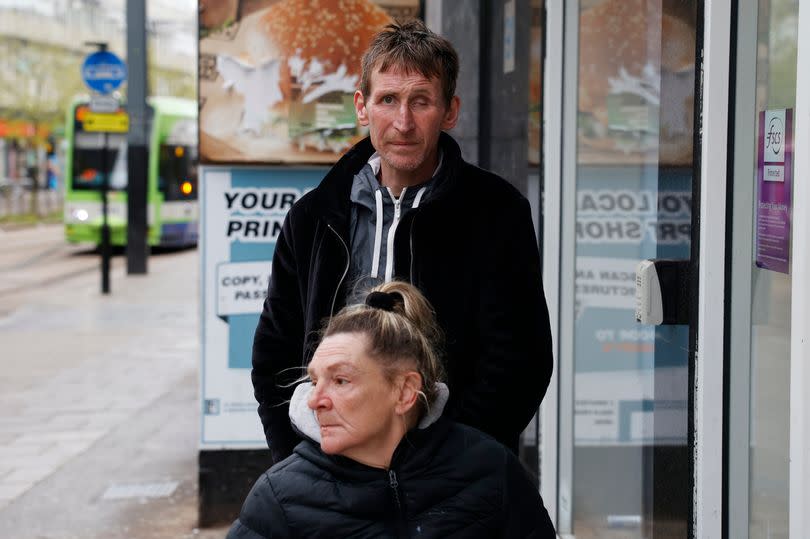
pixel 387 301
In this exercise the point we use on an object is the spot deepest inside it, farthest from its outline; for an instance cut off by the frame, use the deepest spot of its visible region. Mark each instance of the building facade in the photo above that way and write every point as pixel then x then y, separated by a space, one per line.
pixel 671 131
pixel 42 46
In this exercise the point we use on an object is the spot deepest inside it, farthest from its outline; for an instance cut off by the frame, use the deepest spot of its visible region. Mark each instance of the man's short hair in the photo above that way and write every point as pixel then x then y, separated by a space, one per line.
pixel 415 48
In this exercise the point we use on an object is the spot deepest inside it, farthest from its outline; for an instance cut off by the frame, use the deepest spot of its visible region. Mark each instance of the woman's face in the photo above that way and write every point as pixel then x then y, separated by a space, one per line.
pixel 356 406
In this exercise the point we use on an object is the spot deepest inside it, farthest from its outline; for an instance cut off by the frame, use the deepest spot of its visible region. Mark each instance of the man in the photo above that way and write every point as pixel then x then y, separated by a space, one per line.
pixel 403 204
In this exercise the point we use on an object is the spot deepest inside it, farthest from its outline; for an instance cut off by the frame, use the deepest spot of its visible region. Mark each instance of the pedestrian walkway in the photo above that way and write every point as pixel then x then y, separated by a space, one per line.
pixel 99 397
pixel 16 200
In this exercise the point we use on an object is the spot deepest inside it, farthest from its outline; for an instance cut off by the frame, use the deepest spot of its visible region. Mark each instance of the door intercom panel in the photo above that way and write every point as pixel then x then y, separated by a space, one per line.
pixel 662 291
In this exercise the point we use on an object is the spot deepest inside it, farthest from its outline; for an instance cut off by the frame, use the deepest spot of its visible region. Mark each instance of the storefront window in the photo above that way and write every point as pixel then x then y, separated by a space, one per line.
pixel 634 176
pixel 771 284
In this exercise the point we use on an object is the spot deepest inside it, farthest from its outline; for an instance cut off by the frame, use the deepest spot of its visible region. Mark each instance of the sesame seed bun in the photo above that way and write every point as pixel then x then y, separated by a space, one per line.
pixel 636 47
pixel 333 32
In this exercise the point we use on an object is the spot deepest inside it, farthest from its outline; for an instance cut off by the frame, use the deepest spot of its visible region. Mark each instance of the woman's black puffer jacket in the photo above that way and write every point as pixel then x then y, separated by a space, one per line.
pixel 445 481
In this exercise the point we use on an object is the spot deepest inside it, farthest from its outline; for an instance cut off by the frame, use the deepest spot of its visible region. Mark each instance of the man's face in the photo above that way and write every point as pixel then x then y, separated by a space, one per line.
pixel 405 114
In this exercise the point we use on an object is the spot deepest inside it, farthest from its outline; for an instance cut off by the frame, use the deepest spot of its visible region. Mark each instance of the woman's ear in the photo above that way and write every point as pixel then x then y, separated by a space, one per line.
pixel 409 387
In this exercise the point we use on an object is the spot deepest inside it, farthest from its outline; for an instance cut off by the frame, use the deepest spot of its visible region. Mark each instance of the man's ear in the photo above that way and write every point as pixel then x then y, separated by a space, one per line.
pixel 451 114
pixel 360 108
pixel 409 387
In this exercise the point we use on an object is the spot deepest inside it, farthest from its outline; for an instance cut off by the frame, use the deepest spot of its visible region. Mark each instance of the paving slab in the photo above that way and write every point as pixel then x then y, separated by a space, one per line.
pixel 98 391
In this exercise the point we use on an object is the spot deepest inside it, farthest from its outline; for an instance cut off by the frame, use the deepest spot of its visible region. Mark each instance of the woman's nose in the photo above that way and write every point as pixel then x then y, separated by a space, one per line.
pixel 318 399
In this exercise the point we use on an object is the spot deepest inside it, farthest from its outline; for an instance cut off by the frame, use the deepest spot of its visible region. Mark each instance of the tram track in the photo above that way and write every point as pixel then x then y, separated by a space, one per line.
pixel 39 260
pixel 48 281
pixel 36 260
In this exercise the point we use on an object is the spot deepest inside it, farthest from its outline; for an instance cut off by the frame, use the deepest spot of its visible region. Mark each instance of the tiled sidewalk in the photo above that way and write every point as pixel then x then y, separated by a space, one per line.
pixel 77 364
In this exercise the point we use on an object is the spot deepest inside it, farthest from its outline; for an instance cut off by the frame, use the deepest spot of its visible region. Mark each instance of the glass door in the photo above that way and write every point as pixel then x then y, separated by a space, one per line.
pixel 627 183
pixel 761 280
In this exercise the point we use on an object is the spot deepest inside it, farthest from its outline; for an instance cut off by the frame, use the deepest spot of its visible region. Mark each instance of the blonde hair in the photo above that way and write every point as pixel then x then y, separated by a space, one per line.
pixel 404 334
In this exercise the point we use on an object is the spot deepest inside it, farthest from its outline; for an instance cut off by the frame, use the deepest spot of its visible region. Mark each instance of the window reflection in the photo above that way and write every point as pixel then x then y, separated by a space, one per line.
pixel 777 40
pixel 634 186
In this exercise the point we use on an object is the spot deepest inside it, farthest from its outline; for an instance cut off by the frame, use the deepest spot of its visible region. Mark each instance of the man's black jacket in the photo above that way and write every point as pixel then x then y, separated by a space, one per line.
pixel 445 481
pixel 470 248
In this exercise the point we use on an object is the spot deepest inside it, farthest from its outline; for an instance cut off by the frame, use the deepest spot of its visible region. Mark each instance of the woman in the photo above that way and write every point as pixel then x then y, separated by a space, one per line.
pixel 377 459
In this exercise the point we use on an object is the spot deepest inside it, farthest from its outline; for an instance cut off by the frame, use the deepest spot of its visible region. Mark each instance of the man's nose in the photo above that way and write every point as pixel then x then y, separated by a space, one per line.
pixel 404 119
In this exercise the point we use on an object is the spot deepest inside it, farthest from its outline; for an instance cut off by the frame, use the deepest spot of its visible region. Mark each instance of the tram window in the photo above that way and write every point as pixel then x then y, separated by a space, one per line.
pixel 87 161
pixel 177 172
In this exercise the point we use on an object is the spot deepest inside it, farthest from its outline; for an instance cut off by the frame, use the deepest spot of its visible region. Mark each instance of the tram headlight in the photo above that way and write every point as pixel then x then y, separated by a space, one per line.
pixel 80 215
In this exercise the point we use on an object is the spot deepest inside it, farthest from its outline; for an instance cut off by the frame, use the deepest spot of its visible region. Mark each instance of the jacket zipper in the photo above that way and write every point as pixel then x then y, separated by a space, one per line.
pixel 345 271
pixel 410 244
pixel 392 480
pixel 402 524
pixel 397 206
pixel 389 257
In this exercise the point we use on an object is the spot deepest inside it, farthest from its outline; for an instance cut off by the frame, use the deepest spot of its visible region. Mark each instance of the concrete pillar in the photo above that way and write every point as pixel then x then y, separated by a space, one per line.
pixel 493 126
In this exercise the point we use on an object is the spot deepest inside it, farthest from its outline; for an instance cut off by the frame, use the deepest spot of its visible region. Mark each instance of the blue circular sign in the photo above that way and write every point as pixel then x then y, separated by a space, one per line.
pixel 103 71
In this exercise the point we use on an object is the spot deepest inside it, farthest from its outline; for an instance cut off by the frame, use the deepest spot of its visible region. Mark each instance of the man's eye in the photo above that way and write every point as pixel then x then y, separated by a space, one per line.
pixel 388 99
pixel 341 381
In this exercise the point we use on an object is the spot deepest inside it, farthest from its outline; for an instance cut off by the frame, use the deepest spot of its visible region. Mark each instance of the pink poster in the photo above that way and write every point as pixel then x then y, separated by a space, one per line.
pixel 774 186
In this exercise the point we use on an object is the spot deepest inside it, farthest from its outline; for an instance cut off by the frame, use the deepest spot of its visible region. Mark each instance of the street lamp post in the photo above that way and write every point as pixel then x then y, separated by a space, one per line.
pixel 137 247
pixel 101 47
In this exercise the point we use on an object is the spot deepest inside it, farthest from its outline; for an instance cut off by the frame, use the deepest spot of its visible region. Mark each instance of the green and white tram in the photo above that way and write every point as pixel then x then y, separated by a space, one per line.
pixel 172 209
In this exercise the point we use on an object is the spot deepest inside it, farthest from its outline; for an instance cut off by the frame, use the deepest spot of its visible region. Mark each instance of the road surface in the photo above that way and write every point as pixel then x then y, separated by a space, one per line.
pixel 99 419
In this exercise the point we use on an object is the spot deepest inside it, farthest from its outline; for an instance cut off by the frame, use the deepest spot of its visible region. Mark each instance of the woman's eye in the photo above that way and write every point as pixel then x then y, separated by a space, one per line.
pixel 341 381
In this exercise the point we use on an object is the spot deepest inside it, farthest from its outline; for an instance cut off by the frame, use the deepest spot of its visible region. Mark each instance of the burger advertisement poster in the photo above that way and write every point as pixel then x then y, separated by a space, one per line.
pixel 636 82
pixel 277 77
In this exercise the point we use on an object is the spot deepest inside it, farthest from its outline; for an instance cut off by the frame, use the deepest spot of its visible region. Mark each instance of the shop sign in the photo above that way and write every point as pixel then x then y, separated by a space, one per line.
pixel 101 122
pixel 17 129
pixel 23 130
pixel 774 186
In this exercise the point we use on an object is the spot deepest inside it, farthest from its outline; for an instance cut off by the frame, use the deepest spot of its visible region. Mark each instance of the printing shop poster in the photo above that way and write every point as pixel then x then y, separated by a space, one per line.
pixel 774 186
pixel 243 211
pixel 277 77
pixel 631 380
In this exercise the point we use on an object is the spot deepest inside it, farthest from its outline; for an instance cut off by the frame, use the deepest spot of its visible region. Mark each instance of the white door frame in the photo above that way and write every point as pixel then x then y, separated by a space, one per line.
pixel 708 360
pixel 552 150
pixel 741 254
pixel 567 17
pixel 800 300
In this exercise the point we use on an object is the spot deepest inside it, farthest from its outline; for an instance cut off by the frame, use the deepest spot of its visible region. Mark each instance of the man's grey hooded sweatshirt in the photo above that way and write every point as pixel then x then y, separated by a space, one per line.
pixel 376 212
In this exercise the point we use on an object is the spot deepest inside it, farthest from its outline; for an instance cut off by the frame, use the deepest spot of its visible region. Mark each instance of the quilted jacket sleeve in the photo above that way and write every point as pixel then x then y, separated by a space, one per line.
pixel 278 347
pixel 525 515
pixel 262 517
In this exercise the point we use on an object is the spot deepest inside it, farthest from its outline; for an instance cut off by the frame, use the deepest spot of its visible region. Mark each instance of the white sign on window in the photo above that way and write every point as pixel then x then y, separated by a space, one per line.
pixel 509 36
pixel 241 287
